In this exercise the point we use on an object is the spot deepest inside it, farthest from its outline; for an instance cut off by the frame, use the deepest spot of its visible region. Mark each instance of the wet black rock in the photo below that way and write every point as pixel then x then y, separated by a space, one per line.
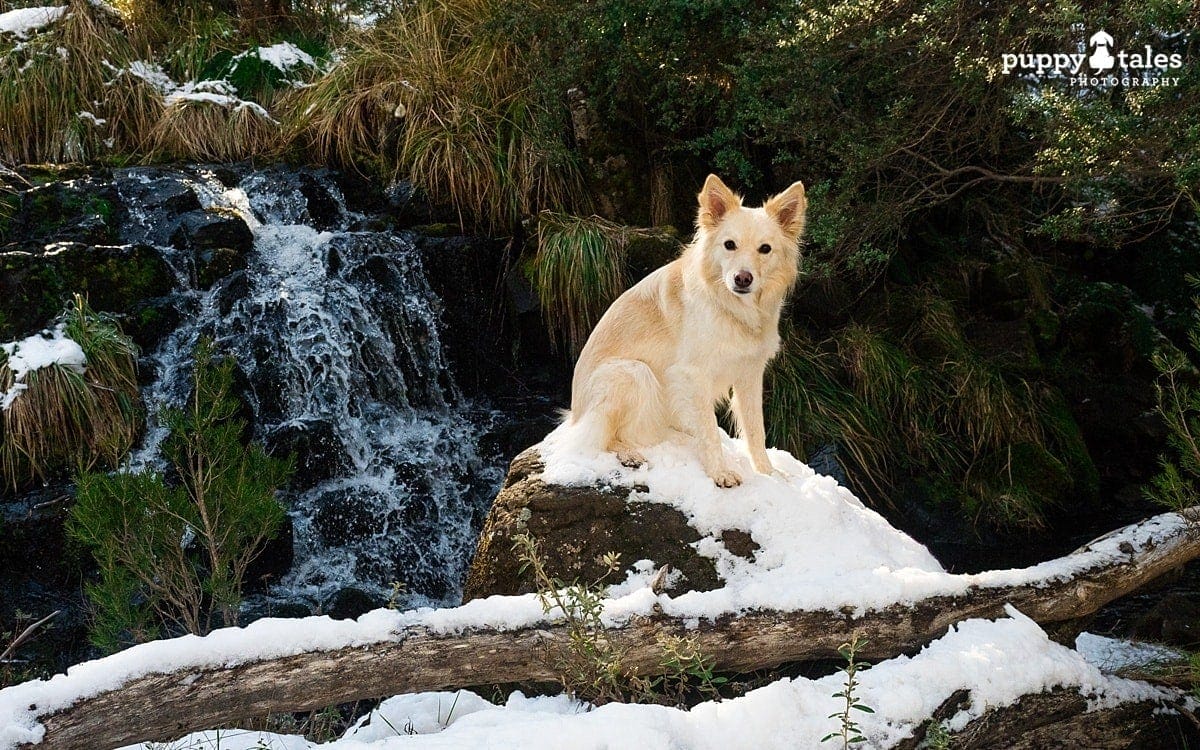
pixel 217 240
pixel 348 514
pixel 350 603
pixel 319 452
pixel 273 561
pixel 324 210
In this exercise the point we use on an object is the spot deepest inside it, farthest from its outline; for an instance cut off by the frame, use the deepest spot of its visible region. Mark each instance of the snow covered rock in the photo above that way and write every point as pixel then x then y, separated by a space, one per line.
pixel 785 541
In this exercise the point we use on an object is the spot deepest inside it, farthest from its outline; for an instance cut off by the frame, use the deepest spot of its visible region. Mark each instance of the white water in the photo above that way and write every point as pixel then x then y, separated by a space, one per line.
pixel 337 335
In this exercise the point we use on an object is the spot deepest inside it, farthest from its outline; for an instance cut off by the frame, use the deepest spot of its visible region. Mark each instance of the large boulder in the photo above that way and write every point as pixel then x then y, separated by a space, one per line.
pixel 575 526
pixel 793 539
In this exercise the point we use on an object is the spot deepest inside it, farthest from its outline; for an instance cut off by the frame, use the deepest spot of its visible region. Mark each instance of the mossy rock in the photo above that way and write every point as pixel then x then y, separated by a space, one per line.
pixel 36 282
pixel 575 527
pixel 649 249
pixel 218 240
pixel 86 210
pixel 1103 320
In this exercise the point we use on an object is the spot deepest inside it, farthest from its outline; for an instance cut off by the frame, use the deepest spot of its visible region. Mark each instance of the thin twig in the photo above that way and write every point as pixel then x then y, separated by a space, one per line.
pixel 25 634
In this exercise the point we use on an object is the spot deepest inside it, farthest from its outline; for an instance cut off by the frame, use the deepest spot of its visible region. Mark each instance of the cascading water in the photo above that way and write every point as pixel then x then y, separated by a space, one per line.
pixel 337 334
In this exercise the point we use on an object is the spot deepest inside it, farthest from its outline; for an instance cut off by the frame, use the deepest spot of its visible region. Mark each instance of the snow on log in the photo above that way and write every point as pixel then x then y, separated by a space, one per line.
pixel 164 689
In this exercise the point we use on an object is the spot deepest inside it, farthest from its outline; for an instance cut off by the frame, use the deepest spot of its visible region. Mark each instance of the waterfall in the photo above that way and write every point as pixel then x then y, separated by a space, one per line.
pixel 336 334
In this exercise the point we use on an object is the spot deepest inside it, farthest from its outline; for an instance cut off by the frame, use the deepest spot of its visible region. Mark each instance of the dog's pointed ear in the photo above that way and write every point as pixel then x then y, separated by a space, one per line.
pixel 789 209
pixel 716 200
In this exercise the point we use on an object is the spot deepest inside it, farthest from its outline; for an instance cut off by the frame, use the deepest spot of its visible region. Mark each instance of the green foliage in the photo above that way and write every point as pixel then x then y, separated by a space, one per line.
pixel 65 420
pixel 174 554
pixel 579 269
pixel 591 665
pixel 915 397
pixel 1175 486
pixel 849 732
pixel 893 109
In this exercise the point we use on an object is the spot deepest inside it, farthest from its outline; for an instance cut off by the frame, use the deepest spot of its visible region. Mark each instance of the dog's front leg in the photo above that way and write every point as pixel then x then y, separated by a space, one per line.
pixel 747 410
pixel 693 411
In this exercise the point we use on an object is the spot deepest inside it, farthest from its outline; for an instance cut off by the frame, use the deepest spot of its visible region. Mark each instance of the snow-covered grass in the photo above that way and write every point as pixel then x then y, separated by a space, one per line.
pixel 23 21
pixel 36 352
pixel 820 549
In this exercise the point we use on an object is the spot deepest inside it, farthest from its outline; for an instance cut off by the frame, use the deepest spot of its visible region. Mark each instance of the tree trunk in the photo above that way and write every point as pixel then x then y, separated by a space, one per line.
pixel 165 706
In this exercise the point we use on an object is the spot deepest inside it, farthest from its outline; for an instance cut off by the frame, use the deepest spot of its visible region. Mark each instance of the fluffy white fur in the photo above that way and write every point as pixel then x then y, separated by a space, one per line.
pixel 676 344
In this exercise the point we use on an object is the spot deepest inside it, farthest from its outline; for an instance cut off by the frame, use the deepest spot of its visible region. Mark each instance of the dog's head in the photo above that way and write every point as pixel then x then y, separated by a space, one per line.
pixel 750 250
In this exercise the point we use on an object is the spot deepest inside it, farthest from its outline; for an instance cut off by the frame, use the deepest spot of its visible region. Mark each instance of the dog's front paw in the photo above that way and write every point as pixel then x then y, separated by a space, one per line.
pixel 726 478
pixel 630 458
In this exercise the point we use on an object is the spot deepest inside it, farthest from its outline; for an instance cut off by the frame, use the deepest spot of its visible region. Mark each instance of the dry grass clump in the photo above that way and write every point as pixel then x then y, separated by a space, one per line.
pixel 66 420
pixel 47 81
pixel 207 131
pixel 436 96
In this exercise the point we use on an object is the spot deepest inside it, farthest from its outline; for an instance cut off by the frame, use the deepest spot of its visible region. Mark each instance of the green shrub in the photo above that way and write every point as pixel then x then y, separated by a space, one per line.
pixel 64 419
pixel 173 553
pixel 919 400
pixel 1176 484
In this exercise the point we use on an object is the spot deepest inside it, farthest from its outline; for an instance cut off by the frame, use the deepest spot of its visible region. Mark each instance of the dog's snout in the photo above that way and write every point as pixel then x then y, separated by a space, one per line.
pixel 743 279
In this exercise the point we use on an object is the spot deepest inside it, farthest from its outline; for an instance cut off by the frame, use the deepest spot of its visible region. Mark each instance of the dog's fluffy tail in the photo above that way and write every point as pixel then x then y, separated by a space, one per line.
pixel 620 404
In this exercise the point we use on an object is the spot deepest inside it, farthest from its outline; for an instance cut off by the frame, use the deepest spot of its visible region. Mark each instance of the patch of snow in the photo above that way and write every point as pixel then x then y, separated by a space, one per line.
pixel 151 73
pixel 35 352
pixel 97 121
pixel 283 56
pixel 23 21
pixel 1115 654
pixel 219 92
pixel 998 661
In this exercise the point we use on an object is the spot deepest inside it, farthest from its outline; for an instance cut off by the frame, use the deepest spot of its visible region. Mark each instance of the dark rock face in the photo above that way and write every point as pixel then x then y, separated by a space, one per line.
pixel 218 242
pixel 318 451
pixel 575 526
pixel 37 281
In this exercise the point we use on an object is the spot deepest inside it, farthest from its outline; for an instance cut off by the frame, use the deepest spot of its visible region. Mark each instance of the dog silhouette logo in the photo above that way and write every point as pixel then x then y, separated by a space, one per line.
pixel 1101 59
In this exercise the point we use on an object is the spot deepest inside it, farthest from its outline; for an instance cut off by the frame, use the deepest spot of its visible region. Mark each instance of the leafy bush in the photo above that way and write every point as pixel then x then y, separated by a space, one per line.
pixel 66 419
pixel 173 552
pixel 891 109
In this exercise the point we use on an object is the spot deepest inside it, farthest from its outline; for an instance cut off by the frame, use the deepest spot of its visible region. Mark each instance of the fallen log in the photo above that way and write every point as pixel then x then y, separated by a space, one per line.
pixel 1062 718
pixel 208 692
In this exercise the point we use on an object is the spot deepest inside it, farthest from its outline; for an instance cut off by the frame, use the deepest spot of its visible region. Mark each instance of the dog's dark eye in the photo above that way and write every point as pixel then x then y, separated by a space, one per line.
pixel 764 249
pixel 730 245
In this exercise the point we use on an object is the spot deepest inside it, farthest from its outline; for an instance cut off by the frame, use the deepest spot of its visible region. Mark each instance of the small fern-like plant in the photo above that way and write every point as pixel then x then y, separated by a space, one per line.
pixel 591 666
pixel 849 732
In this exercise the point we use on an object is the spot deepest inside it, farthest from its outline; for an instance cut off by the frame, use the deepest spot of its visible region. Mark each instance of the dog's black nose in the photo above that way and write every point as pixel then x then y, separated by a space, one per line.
pixel 743 279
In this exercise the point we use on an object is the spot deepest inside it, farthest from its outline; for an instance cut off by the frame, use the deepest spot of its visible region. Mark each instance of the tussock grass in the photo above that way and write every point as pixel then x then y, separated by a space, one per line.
pixel 920 401
pixel 436 96
pixel 66 420
pixel 48 80
pixel 578 271
pixel 198 130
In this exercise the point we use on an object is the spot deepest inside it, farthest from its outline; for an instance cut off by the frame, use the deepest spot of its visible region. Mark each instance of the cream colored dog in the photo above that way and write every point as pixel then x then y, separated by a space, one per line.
pixel 673 346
